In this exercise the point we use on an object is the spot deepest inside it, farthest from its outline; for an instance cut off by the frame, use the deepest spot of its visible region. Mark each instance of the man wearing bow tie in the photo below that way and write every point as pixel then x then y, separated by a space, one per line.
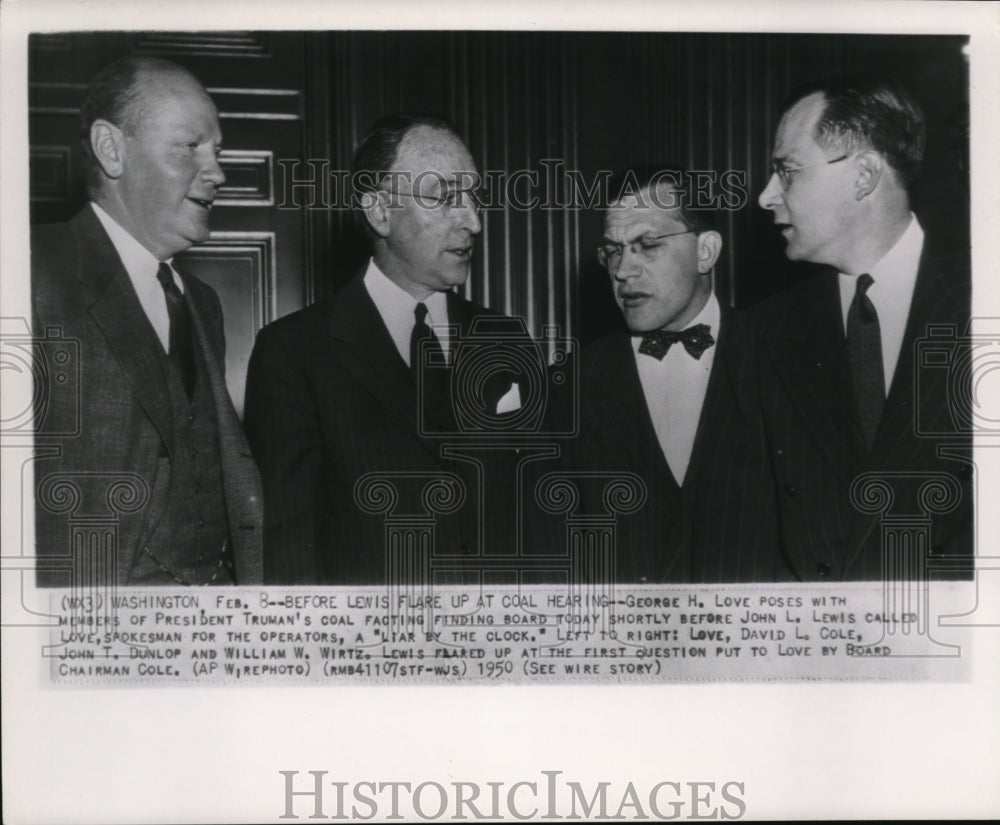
pixel 662 399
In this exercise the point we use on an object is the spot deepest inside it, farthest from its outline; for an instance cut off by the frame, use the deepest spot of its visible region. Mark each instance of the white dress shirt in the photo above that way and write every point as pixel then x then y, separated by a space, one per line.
pixel 142 266
pixel 675 391
pixel 397 308
pixel 891 292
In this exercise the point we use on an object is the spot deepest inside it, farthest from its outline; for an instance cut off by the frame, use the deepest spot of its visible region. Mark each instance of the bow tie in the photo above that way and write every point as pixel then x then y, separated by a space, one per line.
pixel 695 339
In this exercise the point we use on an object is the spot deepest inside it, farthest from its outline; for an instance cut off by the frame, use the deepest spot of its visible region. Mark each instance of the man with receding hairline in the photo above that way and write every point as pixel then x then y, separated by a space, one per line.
pixel 335 391
pixel 849 409
pixel 156 424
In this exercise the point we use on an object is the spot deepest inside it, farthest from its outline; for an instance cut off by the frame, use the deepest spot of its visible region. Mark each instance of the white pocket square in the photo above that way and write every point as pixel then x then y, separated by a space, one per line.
pixel 511 400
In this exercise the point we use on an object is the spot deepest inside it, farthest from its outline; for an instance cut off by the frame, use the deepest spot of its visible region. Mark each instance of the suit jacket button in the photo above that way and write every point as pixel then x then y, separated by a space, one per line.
pixel 824 569
pixel 791 491
pixel 466 550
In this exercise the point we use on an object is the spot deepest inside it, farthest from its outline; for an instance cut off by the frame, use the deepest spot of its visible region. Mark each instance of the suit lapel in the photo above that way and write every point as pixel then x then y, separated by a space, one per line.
pixel 719 393
pixel 370 354
pixel 115 309
pixel 240 478
pixel 626 426
pixel 809 353
pixel 938 297
pixel 460 314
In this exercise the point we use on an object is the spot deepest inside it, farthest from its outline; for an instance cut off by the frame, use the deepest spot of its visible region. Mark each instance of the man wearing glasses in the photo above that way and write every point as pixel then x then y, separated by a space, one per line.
pixel 853 413
pixel 661 399
pixel 334 392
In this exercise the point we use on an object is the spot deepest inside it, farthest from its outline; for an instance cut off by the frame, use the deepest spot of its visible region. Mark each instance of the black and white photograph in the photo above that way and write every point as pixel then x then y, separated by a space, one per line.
pixel 418 413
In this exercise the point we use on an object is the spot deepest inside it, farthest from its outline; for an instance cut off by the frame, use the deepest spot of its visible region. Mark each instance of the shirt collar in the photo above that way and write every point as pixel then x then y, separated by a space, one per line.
pixel 903 259
pixel 138 261
pixel 895 274
pixel 396 305
pixel 710 315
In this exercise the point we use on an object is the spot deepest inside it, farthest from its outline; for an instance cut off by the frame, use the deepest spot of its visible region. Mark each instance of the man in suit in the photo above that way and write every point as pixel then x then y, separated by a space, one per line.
pixel 663 398
pixel 858 424
pixel 341 413
pixel 151 449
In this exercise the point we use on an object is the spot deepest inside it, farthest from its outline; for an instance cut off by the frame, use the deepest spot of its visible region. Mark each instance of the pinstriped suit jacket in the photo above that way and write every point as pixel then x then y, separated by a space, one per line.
pixel 121 416
pixel 720 525
pixel 329 401
pixel 813 433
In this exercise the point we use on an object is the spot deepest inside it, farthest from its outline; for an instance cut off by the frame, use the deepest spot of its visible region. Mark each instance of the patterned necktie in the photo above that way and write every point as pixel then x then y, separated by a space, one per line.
pixel 181 352
pixel 695 339
pixel 864 351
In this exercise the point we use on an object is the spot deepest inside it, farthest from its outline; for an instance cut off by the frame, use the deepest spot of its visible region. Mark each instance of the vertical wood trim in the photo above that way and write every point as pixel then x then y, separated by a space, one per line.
pixel 505 120
pixel 485 160
pixel 572 233
pixel 316 138
pixel 527 284
pixel 730 222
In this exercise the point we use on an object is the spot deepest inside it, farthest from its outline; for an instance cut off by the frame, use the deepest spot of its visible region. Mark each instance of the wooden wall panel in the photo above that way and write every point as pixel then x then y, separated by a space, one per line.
pixel 240 267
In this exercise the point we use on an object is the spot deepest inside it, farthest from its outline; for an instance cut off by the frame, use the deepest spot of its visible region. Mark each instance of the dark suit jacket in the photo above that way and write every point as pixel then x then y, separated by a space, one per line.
pixel 814 436
pixel 329 403
pixel 719 526
pixel 119 424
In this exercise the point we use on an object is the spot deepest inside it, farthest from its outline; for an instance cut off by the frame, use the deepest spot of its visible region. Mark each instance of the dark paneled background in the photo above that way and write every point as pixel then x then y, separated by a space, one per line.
pixel 590 101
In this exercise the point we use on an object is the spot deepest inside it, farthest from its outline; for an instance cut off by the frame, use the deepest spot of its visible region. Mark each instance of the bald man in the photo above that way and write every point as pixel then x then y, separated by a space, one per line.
pixel 144 476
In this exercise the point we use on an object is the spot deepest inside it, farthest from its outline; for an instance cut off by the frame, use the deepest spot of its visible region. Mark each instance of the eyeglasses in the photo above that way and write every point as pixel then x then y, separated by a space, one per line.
pixel 786 173
pixel 451 199
pixel 647 246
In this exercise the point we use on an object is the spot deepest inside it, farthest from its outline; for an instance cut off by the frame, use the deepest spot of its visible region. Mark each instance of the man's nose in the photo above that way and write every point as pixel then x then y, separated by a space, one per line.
pixel 629 265
pixel 470 217
pixel 772 193
pixel 212 171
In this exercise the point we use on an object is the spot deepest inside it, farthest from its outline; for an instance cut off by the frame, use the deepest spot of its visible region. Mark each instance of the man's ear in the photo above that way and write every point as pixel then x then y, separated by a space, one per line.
pixel 709 249
pixel 108 144
pixel 376 213
pixel 871 167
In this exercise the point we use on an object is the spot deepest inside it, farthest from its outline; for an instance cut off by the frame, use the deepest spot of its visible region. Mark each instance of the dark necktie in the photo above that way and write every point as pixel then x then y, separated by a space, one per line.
pixel 864 350
pixel 695 339
pixel 434 354
pixel 181 352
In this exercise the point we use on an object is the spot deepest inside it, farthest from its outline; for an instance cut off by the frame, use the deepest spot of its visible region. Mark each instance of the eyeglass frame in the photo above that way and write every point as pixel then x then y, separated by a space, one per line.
pixel 782 170
pixel 438 201
pixel 601 255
